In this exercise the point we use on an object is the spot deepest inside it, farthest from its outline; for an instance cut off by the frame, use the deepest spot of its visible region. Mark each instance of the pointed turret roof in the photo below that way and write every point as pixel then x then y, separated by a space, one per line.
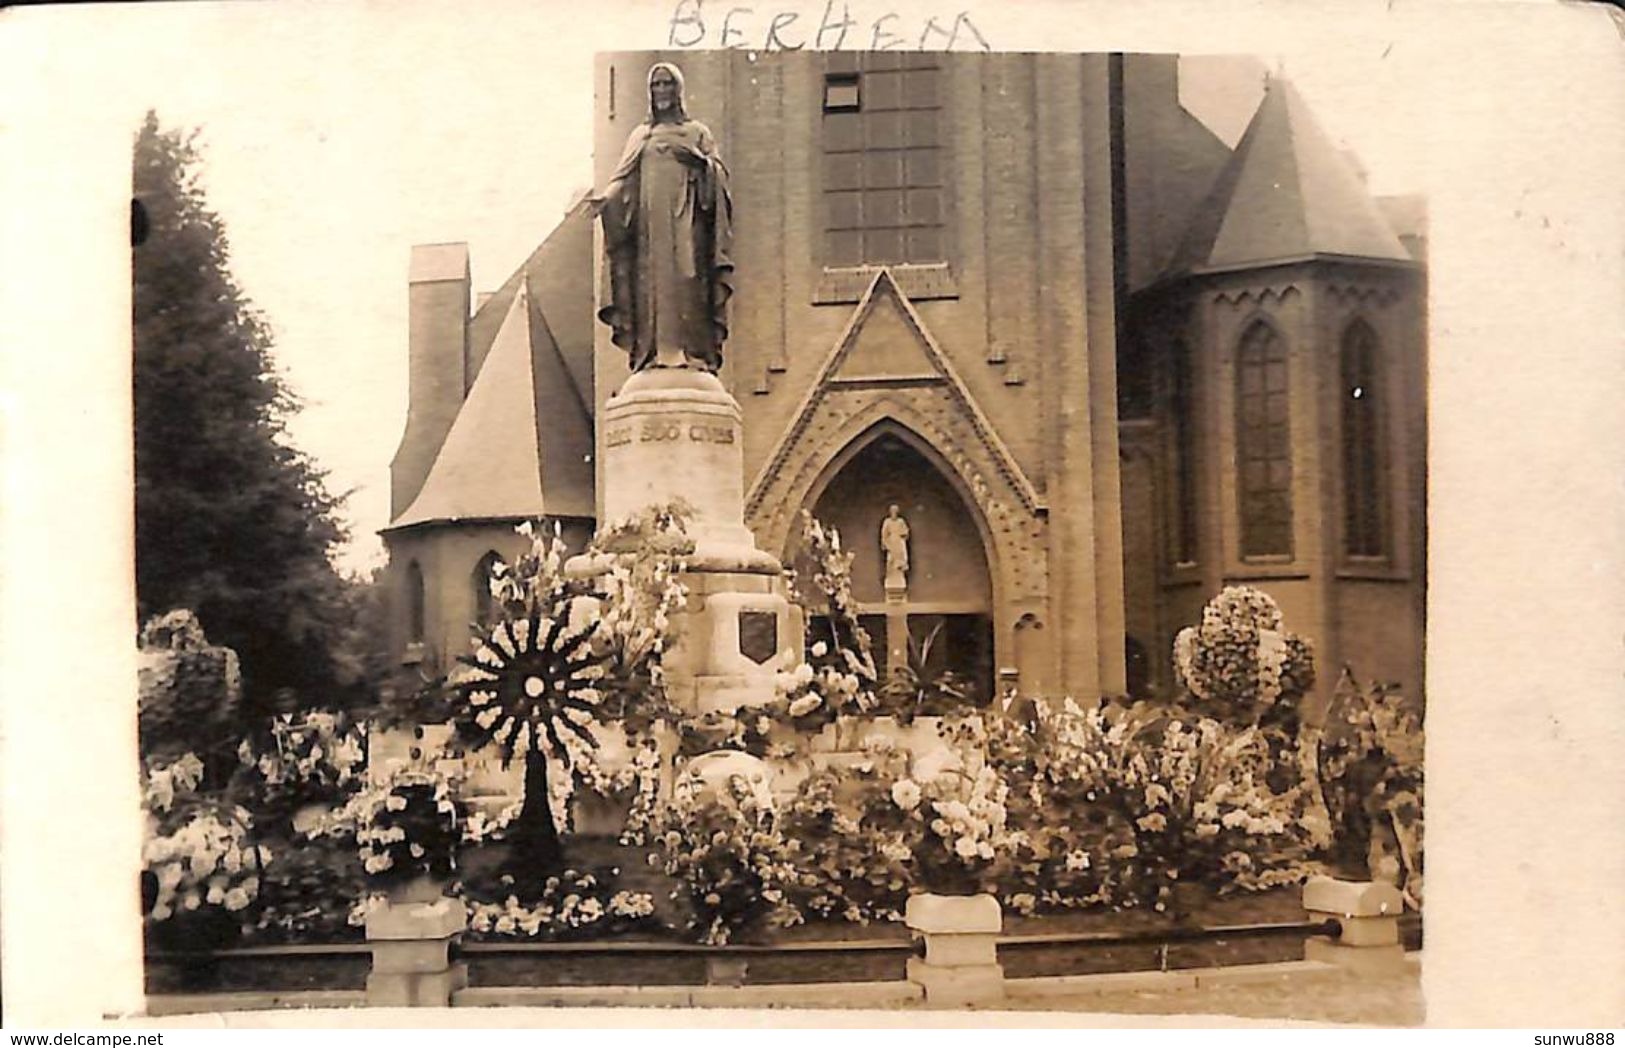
pixel 494 463
pixel 1287 193
pixel 559 275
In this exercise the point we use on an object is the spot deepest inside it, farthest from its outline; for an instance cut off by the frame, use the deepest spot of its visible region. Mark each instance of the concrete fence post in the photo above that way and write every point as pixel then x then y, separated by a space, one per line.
pixel 960 935
pixel 1368 913
pixel 412 953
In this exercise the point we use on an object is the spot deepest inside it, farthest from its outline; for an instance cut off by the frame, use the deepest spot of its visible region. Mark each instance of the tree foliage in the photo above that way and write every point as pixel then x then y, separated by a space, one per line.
pixel 232 521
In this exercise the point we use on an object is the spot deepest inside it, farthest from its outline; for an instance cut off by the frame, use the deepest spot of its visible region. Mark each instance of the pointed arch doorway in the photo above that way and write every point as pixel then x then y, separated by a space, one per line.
pixel 941 616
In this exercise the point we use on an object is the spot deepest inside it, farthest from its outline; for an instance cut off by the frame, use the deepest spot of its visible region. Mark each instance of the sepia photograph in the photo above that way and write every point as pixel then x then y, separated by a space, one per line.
pixel 835 512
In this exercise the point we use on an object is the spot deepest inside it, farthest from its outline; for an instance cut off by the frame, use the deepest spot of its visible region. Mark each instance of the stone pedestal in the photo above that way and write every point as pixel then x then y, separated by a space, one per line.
pixel 1369 915
pixel 960 966
pixel 412 938
pixel 674 434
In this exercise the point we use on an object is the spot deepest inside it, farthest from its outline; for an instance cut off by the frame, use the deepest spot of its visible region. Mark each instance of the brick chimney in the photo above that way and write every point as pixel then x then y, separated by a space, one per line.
pixel 439 290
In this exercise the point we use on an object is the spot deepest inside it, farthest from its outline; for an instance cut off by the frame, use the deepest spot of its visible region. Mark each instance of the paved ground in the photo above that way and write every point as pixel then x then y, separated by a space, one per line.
pixel 1392 999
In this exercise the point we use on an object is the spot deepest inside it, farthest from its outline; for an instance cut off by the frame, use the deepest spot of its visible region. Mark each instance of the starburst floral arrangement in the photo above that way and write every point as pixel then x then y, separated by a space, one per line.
pixel 199 858
pixel 567 653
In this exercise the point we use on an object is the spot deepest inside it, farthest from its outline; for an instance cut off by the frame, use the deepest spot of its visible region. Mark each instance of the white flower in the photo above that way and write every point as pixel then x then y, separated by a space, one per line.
pixel 236 899
pixel 820 649
pixel 804 705
pixel 965 848
pixel 905 793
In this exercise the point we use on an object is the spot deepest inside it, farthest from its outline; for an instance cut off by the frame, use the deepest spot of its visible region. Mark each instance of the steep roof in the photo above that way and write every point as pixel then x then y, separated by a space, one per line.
pixel 1287 193
pixel 559 274
pixel 1407 215
pixel 521 443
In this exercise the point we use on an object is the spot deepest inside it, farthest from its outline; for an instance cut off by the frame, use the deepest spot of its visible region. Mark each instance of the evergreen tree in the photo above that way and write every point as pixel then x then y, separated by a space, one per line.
pixel 232 521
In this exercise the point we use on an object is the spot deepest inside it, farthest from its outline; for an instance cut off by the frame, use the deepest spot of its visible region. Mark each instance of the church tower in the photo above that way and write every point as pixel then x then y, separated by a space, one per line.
pixel 1284 338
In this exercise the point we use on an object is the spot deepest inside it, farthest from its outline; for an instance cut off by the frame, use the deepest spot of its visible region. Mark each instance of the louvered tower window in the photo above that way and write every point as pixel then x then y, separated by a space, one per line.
pixel 883 160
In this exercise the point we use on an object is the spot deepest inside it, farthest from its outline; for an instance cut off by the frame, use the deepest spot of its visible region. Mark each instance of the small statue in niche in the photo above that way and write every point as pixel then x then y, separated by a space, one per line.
pixel 894 544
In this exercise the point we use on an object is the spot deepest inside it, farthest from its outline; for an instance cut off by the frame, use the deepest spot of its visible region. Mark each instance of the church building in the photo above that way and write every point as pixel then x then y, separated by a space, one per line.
pixel 1097 362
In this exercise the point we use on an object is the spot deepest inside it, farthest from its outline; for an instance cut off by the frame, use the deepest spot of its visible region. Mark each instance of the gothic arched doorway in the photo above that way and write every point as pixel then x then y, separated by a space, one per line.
pixel 932 609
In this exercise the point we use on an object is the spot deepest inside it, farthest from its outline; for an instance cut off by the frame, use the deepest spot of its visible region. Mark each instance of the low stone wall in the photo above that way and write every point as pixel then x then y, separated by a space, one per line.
pixel 961 956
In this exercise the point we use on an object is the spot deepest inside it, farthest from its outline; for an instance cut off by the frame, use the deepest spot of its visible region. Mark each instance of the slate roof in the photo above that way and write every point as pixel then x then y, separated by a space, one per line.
pixel 567 304
pixel 521 444
pixel 1287 193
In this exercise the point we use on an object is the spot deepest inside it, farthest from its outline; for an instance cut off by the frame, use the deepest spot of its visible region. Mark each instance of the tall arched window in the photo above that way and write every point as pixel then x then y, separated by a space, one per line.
pixel 1182 405
pixel 484 603
pixel 1263 443
pixel 415 615
pixel 1364 464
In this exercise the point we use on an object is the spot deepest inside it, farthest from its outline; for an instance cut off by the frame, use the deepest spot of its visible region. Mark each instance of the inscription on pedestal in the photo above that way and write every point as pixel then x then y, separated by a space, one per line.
pixel 657 432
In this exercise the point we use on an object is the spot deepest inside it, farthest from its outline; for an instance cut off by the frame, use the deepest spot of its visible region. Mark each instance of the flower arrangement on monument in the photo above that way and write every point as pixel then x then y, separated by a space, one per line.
pixel 1370 765
pixel 570 651
pixel 407 825
pixel 571 905
pixel 1194 797
pixel 735 870
pixel 1239 664
pixel 300 761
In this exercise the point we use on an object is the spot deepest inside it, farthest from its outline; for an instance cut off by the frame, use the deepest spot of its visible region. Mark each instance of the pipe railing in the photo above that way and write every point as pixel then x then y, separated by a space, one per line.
pixel 469 950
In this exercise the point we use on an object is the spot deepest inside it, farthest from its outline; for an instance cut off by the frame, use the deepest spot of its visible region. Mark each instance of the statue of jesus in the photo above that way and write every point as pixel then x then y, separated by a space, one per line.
pixel 668 230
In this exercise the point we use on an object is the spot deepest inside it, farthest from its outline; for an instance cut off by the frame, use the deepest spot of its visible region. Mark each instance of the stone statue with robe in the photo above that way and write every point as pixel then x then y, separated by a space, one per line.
pixel 668 230
pixel 894 545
